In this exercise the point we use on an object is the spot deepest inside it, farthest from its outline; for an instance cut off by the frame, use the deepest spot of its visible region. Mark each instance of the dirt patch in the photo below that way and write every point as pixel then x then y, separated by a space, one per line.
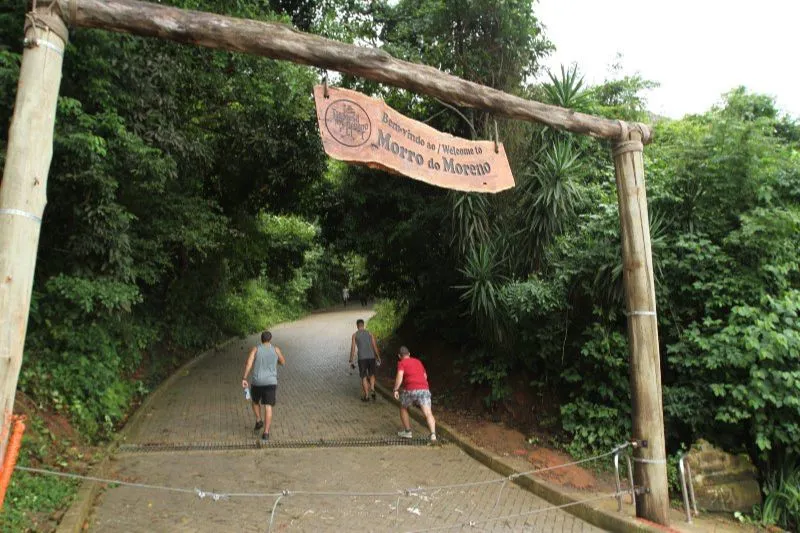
pixel 508 441
pixel 57 425
pixel 571 476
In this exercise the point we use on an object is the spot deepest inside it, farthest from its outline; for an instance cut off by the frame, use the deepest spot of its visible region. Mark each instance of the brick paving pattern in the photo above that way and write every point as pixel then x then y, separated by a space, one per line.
pixel 314 400
pixel 317 399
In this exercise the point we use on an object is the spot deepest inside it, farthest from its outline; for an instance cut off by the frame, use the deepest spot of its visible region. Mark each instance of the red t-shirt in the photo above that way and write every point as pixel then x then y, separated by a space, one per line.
pixel 414 376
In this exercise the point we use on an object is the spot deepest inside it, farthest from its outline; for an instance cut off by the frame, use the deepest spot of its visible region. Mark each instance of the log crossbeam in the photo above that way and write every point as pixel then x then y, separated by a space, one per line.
pixel 279 41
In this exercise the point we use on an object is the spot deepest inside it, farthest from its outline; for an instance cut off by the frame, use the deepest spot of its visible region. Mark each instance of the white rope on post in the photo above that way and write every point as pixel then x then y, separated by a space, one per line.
pixel 499 494
pixel 409 491
pixel 415 491
pixel 272 515
pixel 473 523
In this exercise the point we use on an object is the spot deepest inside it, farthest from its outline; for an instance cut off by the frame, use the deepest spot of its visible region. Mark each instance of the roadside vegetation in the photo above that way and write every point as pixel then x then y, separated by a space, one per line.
pixel 190 201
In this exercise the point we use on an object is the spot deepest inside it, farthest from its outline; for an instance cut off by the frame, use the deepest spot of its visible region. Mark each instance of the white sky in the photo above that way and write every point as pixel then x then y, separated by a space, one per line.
pixel 696 49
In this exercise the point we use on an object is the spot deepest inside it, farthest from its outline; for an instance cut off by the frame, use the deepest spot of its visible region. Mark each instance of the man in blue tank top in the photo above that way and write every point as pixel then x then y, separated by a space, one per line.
pixel 364 343
pixel 263 361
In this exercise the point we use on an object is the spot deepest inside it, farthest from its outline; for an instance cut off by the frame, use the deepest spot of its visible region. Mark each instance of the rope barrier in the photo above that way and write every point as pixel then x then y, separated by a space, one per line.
pixel 415 491
pixel 649 461
pixel 573 463
pixel 216 496
pixel 473 523
pixel 199 493
pixel 514 476
pixel 272 515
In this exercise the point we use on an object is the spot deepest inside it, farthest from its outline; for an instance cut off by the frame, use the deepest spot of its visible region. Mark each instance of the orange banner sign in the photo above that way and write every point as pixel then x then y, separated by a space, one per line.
pixel 359 129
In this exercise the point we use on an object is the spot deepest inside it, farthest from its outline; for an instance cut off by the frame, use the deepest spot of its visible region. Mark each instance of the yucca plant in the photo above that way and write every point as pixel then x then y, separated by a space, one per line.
pixel 484 277
pixel 470 220
pixel 549 196
pixel 567 90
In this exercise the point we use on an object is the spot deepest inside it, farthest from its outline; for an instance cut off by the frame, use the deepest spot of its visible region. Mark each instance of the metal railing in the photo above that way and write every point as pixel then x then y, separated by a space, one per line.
pixel 687 488
pixel 619 483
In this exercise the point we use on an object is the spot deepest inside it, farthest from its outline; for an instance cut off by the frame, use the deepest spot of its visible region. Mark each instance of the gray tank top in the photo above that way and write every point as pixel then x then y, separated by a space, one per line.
pixel 265 367
pixel 364 345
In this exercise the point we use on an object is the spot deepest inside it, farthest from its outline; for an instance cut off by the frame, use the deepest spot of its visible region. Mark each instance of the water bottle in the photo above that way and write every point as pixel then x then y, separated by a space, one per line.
pixel 247 393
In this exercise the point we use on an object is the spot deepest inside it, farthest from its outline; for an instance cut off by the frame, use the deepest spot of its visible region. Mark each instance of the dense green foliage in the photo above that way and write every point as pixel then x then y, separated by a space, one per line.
pixel 180 212
pixel 189 200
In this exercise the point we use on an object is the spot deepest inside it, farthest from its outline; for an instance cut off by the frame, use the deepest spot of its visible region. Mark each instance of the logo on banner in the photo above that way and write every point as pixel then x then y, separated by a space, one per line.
pixel 348 123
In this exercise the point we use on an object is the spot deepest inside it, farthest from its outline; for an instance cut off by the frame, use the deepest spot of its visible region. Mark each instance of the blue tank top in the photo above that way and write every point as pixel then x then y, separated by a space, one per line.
pixel 265 367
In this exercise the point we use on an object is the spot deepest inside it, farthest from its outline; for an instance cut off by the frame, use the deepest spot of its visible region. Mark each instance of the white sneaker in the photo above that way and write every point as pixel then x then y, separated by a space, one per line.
pixel 433 437
pixel 406 434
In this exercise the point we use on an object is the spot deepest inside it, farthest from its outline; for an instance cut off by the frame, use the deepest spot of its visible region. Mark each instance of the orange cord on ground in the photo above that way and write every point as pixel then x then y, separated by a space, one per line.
pixel 7 420
pixel 12 452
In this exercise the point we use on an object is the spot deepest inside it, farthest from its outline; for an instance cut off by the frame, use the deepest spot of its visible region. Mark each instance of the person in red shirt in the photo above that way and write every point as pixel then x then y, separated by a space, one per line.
pixel 413 380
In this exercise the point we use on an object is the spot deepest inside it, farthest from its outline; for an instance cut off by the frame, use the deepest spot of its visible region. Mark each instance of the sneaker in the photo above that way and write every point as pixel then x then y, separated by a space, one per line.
pixel 374 396
pixel 259 425
pixel 405 434
pixel 265 437
pixel 433 437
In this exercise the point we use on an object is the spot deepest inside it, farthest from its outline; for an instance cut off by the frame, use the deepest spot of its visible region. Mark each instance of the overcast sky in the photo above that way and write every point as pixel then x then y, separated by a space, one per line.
pixel 695 49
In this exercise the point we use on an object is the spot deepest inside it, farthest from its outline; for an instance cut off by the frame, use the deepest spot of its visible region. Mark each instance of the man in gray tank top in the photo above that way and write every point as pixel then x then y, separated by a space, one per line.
pixel 263 361
pixel 364 343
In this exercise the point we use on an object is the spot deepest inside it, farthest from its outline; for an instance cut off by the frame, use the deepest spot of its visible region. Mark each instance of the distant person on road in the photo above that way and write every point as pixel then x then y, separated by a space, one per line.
pixel 369 357
pixel 263 361
pixel 345 295
pixel 411 388
pixel 364 299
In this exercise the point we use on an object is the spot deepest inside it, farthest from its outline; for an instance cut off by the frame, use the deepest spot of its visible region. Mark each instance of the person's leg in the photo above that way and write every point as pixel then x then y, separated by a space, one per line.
pixel 404 419
pixel 270 394
pixel 426 410
pixel 372 386
pixel 364 388
pixel 363 373
pixel 256 400
pixel 267 418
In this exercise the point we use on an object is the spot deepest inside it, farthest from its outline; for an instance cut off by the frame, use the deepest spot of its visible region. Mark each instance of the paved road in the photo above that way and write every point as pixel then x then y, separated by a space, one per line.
pixel 201 431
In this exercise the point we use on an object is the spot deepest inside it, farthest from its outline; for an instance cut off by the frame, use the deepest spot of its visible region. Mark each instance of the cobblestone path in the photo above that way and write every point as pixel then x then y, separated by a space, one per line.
pixel 202 427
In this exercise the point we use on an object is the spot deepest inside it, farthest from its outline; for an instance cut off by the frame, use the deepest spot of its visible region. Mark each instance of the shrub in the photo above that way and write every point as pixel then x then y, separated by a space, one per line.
pixel 389 314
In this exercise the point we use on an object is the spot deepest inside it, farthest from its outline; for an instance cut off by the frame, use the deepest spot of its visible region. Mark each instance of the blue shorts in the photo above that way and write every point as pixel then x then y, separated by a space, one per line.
pixel 420 398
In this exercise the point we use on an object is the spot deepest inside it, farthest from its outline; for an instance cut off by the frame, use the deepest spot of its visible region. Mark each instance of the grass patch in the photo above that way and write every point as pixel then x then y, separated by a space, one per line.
pixel 35 502
pixel 389 314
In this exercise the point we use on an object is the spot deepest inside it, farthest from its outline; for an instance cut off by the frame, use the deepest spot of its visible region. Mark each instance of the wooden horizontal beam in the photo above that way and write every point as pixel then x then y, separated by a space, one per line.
pixel 279 41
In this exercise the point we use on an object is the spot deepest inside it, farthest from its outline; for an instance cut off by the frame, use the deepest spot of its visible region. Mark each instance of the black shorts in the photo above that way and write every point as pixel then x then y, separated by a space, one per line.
pixel 263 394
pixel 366 367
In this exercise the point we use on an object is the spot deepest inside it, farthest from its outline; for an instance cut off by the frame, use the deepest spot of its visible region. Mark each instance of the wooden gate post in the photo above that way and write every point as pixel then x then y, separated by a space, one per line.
pixel 650 470
pixel 22 191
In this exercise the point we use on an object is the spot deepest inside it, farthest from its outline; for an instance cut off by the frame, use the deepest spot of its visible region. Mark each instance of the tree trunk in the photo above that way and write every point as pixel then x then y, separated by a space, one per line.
pixel 650 471
pixel 22 192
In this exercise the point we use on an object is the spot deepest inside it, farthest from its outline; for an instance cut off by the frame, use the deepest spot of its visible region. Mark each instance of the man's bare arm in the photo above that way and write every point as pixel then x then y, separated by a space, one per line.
pixel 398 380
pixel 248 366
pixel 281 358
pixel 375 347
